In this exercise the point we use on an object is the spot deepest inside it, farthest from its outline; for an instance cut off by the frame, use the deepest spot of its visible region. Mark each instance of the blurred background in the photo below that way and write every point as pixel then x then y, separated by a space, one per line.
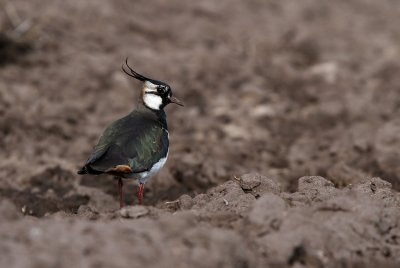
pixel 283 88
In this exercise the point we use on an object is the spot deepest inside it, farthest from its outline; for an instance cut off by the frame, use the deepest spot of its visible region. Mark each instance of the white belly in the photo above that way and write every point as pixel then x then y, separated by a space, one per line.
pixel 144 176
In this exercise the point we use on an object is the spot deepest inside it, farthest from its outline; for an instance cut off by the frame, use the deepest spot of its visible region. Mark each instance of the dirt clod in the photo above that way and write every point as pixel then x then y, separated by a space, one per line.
pixel 250 181
pixel 134 212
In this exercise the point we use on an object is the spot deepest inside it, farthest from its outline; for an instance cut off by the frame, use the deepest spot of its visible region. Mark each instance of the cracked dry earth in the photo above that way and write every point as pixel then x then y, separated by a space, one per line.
pixel 285 89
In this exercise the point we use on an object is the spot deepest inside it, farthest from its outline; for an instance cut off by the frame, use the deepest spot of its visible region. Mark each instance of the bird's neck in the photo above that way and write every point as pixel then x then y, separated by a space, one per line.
pixel 159 114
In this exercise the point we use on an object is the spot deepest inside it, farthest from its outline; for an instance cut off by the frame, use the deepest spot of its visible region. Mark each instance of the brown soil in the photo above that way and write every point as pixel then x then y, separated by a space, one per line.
pixel 286 89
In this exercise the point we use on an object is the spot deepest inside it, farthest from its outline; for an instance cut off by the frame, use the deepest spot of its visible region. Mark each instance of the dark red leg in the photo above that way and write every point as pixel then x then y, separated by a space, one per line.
pixel 121 193
pixel 140 193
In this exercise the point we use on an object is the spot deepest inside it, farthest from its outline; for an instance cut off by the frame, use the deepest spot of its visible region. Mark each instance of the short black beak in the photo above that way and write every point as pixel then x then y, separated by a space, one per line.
pixel 176 101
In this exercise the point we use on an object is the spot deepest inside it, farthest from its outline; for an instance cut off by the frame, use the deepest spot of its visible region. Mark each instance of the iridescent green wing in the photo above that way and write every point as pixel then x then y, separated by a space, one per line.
pixel 147 149
pixel 136 140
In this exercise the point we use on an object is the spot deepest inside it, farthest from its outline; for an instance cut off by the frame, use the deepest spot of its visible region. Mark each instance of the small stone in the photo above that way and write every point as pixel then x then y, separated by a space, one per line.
pixel 250 181
pixel 326 70
pixel 133 212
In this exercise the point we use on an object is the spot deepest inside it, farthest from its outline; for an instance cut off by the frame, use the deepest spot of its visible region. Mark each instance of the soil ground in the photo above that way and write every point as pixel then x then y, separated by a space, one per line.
pixel 286 152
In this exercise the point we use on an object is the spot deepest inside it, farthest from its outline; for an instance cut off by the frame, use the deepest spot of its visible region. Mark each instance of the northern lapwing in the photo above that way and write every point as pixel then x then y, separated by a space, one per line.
pixel 135 146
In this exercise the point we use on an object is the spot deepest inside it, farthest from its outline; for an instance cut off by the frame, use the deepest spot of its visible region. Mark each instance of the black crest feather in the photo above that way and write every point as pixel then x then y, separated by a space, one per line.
pixel 132 73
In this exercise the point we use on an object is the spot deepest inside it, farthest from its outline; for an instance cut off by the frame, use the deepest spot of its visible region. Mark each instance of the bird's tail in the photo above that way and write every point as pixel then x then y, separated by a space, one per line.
pixel 82 171
pixel 88 170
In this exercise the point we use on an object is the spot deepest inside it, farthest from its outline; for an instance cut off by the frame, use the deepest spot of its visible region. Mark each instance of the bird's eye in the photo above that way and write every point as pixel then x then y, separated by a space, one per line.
pixel 161 89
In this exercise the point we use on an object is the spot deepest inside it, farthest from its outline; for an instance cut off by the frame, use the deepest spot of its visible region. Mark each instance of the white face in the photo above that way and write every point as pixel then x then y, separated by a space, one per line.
pixel 150 97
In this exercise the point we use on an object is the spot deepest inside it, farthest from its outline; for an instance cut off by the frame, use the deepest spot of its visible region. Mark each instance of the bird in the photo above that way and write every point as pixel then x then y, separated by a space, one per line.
pixel 135 146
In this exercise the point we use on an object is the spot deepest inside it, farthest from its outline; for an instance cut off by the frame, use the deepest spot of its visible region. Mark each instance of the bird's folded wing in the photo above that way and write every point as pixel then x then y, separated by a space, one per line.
pixel 147 149
pixel 138 144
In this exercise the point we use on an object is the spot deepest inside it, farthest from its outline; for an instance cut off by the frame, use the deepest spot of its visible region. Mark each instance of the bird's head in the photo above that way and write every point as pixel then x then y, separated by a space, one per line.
pixel 155 94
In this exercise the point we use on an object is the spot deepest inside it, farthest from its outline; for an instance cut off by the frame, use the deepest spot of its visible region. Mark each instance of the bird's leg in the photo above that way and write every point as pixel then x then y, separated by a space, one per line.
pixel 140 193
pixel 120 192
